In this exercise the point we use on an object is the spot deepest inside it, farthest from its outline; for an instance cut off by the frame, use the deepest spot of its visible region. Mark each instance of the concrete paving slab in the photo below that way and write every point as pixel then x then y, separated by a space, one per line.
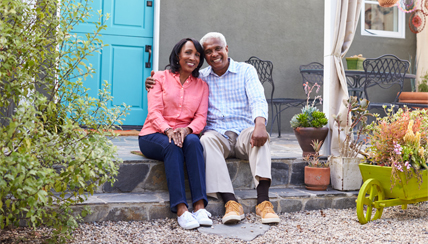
pixel 243 231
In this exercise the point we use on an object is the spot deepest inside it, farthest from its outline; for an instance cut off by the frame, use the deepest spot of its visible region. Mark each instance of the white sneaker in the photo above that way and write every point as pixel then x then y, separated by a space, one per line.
pixel 202 216
pixel 187 221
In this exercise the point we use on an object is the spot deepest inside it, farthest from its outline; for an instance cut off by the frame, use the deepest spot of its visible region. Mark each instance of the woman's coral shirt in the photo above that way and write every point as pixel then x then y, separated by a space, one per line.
pixel 171 104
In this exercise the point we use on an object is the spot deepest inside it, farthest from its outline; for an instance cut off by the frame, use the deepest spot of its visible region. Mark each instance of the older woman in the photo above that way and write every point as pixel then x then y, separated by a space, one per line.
pixel 177 107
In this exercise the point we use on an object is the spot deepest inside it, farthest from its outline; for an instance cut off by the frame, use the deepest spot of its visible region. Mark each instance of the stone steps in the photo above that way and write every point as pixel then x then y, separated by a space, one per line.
pixel 140 192
pixel 153 205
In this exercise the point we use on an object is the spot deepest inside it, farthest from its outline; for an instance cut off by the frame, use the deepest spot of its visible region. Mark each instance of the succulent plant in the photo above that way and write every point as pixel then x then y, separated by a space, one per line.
pixel 309 117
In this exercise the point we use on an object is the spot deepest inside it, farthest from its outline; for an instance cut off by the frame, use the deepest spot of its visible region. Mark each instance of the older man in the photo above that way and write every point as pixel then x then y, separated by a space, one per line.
pixel 236 127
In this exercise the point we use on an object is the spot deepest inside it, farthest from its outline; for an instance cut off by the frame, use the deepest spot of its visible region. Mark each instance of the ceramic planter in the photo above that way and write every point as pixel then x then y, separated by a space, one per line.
pixel 345 173
pixel 305 135
pixel 355 63
pixel 317 179
pixel 414 97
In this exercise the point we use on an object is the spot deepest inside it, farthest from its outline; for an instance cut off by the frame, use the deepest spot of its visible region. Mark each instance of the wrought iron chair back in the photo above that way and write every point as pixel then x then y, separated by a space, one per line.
pixel 312 77
pixel 264 70
pixel 385 71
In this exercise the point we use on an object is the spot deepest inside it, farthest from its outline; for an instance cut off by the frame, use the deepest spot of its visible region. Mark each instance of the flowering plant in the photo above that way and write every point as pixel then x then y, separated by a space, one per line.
pixel 310 115
pixel 400 140
pixel 313 159
pixel 357 115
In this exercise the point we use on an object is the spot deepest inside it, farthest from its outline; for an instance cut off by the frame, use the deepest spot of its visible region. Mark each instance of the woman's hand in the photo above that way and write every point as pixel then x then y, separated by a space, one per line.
pixel 180 135
pixel 150 81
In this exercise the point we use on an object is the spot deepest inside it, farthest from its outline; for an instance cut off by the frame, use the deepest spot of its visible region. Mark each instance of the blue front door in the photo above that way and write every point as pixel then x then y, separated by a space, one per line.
pixel 122 63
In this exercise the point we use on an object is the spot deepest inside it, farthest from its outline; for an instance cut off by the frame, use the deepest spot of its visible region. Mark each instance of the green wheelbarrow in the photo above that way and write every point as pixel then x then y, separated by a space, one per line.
pixel 376 194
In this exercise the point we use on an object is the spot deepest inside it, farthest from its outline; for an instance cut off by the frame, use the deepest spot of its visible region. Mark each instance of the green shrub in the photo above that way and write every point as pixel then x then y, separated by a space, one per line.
pixel 48 163
pixel 423 85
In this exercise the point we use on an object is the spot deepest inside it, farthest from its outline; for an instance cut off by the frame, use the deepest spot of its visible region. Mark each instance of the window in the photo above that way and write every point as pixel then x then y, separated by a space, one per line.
pixel 382 22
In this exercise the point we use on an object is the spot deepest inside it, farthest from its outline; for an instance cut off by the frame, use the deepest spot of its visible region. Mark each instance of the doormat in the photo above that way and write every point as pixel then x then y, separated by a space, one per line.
pixel 137 153
pixel 127 132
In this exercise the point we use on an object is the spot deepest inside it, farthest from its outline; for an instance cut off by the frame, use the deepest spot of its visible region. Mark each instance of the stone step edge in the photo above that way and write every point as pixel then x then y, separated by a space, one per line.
pixel 142 176
pixel 143 206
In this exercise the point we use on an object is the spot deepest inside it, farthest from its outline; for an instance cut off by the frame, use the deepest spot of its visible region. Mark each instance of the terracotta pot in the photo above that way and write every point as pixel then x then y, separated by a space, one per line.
pixel 305 135
pixel 414 97
pixel 387 3
pixel 317 179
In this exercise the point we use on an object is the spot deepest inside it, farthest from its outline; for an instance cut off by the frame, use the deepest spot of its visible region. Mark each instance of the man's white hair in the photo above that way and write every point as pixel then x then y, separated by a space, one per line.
pixel 210 35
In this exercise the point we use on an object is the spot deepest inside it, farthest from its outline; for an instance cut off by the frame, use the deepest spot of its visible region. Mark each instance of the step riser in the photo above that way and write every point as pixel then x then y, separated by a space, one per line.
pixel 149 176
pixel 145 211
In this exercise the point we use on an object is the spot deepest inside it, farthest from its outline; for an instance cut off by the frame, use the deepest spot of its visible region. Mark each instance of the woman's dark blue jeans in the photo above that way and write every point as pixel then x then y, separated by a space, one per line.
pixel 156 146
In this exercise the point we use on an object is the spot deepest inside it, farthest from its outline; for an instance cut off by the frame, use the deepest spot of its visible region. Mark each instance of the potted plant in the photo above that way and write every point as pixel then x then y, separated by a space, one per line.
pixel 317 173
pixel 309 124
pixel 420 96
pixel 345 174
pixel 355 62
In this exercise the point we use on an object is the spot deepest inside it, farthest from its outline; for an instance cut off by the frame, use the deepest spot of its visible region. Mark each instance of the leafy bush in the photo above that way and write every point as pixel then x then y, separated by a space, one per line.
pixel 423 85
pixel 48 163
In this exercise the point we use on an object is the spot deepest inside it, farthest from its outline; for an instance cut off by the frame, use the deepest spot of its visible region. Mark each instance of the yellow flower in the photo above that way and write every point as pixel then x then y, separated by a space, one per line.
pixel 410 136
pixel 421 152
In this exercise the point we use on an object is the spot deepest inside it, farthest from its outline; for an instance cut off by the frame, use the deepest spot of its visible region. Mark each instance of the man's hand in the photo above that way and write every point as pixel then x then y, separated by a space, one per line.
pixel 150 82
pixel 260 134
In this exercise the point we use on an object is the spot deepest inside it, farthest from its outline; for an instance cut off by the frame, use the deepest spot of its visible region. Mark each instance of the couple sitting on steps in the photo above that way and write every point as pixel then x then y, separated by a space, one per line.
pixel 224 102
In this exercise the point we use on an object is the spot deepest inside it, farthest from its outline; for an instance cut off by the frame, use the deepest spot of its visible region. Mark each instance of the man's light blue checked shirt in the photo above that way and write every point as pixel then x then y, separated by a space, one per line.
pixel 236 98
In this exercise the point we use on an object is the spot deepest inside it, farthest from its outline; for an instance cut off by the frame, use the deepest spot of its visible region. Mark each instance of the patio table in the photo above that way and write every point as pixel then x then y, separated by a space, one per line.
pixel 354 80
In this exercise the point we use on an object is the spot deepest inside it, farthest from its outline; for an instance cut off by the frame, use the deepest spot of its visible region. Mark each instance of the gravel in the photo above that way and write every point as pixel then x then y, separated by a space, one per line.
pixel 318 226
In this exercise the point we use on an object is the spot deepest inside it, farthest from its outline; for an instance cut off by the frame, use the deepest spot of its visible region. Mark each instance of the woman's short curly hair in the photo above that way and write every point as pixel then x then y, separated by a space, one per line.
pixel 174 64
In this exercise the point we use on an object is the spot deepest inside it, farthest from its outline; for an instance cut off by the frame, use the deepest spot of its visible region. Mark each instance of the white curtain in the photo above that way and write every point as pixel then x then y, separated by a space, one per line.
pixel 422 52
pixel 346 21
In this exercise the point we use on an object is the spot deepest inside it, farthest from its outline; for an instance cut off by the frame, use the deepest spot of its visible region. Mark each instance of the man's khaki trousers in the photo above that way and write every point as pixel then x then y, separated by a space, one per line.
pixel 217 149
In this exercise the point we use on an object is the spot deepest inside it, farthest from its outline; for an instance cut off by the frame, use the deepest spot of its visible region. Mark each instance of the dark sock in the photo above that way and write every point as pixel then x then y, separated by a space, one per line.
pixel 227 197
pixel 263 191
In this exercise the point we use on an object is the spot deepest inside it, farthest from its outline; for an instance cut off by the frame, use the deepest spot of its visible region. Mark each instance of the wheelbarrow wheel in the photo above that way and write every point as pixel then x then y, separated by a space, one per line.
pixel 370 192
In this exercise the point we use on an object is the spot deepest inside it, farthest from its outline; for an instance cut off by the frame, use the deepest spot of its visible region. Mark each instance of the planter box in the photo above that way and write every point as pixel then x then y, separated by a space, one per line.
pixel 406 190
pixel 345 173
pixel 355 63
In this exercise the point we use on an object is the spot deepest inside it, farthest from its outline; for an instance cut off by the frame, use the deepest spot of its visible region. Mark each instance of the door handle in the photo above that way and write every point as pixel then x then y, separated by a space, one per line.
pixel 149 49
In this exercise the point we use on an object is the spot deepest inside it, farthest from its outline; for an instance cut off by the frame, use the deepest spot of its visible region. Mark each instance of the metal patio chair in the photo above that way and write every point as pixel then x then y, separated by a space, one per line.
pixel 386 72
pixel 264 70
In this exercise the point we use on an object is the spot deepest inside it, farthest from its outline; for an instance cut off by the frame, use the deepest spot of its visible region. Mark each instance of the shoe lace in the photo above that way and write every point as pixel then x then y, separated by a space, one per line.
pixel 232 206
pixel 188 216
pixel 266 207
pixel 200 211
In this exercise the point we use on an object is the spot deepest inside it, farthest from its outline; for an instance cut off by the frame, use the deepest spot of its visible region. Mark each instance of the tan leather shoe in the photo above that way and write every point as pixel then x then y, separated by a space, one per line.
pixel 234 213
pixel 265 211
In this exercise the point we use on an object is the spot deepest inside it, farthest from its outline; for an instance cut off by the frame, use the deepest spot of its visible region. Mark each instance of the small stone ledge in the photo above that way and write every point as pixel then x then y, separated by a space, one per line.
pixel 149 175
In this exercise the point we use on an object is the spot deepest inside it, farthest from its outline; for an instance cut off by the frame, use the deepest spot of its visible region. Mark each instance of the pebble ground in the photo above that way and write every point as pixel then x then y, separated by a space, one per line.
pixel 319 226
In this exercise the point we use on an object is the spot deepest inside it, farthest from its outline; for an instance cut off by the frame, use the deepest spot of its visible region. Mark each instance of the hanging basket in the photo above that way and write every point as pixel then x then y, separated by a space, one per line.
pixel 424 7
pixel 408 6
pixel 417 21
pixel 387 3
